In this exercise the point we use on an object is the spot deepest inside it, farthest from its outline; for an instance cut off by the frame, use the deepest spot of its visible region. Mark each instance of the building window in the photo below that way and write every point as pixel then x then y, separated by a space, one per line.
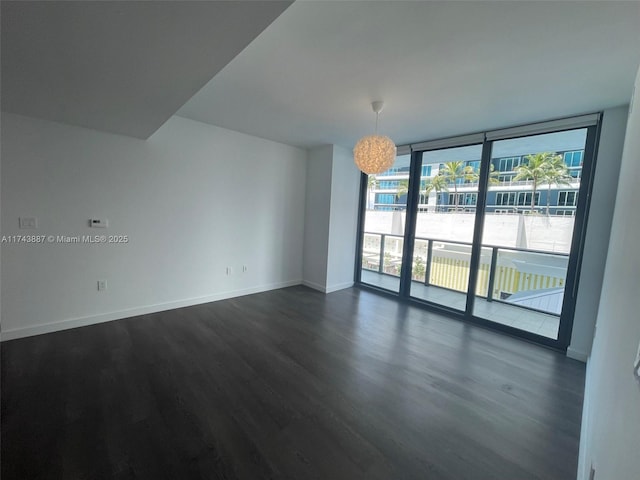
pixel 567 198
pixel 474 164
pixel 385 199
pixel 426 171
pixel 464 199
pixel 508 164
pixel 394 171
pixel 389 185
pixel 524 198
pixel 506 198
pixel 573 159
pixel 521 199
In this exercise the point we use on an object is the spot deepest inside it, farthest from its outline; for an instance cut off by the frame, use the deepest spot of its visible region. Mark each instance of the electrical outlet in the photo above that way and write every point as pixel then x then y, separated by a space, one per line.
pixel 229 270
pixel 28 222
pixel 244 269
pixel 102 285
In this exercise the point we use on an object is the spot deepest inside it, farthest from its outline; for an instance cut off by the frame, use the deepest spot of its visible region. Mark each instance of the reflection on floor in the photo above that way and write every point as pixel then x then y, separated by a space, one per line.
pixel 528 320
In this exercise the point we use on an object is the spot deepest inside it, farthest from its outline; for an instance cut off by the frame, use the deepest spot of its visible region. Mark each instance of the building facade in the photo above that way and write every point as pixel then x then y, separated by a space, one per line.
pixel 388 190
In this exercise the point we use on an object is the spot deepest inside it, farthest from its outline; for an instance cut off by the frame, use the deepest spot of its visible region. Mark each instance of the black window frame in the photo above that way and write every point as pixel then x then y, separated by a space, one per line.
pixel 580 211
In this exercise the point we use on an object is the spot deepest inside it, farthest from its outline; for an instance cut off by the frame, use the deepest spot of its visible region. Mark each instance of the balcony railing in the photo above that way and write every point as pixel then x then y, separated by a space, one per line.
pixel 503 271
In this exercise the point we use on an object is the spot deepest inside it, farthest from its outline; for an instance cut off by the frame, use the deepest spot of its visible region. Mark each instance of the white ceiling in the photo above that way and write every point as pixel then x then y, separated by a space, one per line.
pixel 122 67
pixel 442 68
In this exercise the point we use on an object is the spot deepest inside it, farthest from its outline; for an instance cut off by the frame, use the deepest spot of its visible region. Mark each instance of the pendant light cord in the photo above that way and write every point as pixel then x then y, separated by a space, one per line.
pixel 377 115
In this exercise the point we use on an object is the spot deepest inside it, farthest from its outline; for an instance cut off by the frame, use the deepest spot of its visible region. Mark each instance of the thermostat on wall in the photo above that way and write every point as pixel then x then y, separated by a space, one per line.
pixel 98 223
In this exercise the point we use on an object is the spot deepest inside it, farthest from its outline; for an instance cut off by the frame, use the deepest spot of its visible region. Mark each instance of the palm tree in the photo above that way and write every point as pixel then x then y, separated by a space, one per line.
pixel 535 170
pixel 372 183
pixel 453 171
pixel 493 175
pixel 438 183
pixel 403 188
pixel 558 174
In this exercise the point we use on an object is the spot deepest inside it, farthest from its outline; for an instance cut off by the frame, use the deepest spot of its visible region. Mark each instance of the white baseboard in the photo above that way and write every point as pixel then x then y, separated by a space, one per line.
pixel 315 286
pixel 133 312
pixel 323 289
pixel 585 459
pixel 577 355
pixel 339 286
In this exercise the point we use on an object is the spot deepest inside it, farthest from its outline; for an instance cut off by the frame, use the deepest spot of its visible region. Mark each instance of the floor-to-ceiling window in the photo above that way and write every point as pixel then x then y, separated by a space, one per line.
pixel 385 211
pixel 485 226
pixel 528 227
pixel 444 225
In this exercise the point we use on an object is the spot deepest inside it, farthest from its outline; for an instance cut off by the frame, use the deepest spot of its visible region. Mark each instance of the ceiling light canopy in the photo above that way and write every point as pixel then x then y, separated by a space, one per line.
pixel 374 153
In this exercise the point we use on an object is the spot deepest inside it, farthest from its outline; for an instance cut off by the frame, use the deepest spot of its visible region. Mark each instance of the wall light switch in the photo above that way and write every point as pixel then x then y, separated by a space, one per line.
pixel 28 222
pixel 99 223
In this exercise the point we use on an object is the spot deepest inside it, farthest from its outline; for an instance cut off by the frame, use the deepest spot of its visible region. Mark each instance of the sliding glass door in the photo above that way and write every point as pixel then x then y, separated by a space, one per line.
pixel 385 211
pixel 528 228
pixel 488 227
pixel 444 225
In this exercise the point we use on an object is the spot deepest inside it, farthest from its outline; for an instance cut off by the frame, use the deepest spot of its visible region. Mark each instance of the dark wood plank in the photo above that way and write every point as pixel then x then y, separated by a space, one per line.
pixel 288 384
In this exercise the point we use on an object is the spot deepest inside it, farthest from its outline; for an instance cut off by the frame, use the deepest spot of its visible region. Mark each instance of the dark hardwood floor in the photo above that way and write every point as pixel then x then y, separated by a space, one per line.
pixel 288 384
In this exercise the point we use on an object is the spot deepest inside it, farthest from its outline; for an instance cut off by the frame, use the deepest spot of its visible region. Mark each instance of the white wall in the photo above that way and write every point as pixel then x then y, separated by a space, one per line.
pixel 343 223
pixel 603 197
pixel 317 216
pixel 611 417
pixel 193 199
pixel 331 219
